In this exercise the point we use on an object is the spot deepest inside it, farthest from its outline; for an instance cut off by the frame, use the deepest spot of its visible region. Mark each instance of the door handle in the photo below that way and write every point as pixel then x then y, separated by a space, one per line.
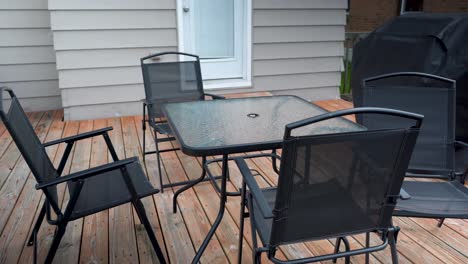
pixel 186 9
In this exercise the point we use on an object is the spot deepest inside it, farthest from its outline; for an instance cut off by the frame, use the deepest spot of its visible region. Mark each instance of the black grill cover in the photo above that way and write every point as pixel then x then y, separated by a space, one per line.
pixel 429 43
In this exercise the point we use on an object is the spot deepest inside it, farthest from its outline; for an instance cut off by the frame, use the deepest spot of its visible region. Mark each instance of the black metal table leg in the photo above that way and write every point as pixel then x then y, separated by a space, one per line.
pixel 222 207
pixel 188 186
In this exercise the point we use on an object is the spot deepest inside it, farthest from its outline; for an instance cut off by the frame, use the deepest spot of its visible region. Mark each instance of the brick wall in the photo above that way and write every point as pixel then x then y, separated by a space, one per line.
pixel 446 6
pixel 366 15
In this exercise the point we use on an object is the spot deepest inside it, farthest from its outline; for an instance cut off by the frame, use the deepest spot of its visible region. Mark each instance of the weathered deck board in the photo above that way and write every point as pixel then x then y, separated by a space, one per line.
pixel 122 243
pixel 117 236
pixel 95 237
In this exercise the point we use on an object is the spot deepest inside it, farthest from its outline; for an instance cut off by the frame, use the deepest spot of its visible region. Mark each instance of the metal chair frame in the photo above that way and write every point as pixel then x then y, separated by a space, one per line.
pixel 152 122
pixel 63 217
pixel 250 191
pixel 450 174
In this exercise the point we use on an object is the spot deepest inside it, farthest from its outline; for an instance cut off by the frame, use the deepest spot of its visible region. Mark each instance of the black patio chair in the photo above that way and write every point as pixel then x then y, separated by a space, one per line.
pixel 91 190
pixel 437 153
pixel 331 186
pixel 167 80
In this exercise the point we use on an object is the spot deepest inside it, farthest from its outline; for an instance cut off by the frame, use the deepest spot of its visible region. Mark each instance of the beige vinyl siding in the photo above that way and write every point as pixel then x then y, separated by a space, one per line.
pixel 111 4
pixel 100 110
pixel 301 17
pixel 27 57
pixel 299 4
pixel 104 58
pixel 298 47
pixel 296 66
pixel 74 96
pixel 116 38
pixel 24 19
pixel 23 5
pixel 297 50
pixel 117 19
pixel 98 45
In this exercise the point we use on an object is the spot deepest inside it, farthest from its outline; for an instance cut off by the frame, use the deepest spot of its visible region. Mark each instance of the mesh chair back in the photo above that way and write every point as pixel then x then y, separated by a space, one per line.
pixel 171 81
pixel 339 184
pixel 431 96
pixel 29 145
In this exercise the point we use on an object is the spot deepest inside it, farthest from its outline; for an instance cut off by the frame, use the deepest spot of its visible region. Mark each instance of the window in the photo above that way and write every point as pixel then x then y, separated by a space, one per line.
pixel 411 6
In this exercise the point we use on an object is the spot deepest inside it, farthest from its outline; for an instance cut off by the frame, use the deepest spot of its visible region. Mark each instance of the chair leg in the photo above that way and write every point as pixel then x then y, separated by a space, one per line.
pixel 347 248
pixel 56 242
pixel 441 222
pixel 273 161
pixel 367 245
pixel 149 230
pixel 242 219
pixel 159 161
pixel 188 186
pixel 392 237
pixel 337 247
pixel 143 124
pixel 255 255
pixel 37 225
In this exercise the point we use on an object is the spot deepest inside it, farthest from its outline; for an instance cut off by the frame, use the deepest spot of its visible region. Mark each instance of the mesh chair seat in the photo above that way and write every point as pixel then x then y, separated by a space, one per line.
pixel 329 196
pixel 109 189
pixel 434 199
pixel 162 128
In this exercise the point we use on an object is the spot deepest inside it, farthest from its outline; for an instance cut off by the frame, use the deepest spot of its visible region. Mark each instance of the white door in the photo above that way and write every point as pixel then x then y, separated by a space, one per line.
pixel 215 30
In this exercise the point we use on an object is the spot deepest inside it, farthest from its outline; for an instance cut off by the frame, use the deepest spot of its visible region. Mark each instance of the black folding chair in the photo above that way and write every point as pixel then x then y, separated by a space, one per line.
pixel 167 79
pixel 332 185
pixel 91 190
pixel 437 154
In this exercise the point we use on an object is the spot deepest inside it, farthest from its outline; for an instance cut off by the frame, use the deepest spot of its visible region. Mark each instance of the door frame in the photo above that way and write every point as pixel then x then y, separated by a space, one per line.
pixel 246 81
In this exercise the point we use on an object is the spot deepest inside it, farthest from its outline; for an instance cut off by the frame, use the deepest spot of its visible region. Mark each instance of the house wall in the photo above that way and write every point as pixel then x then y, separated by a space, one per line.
pixel 27 58
pixel 367 15
pixel 98 45
pixel 297 49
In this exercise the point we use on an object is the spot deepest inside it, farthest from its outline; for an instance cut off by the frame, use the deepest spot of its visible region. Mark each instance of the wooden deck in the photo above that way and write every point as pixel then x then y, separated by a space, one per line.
pixel 116 236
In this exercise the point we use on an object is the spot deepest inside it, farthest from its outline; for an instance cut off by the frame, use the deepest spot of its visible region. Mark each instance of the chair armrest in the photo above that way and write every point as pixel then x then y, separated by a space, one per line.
pixel 78 137
pixel 461 144
pixel 87 173
pixel 404 195
pixel 214 96
pixel 257 194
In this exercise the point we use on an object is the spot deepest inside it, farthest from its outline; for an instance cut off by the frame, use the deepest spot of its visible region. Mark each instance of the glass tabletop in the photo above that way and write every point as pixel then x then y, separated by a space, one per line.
pixel 228 126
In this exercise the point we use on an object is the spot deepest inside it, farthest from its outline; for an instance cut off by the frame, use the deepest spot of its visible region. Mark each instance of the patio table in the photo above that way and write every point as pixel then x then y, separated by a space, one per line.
pixel 224 127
